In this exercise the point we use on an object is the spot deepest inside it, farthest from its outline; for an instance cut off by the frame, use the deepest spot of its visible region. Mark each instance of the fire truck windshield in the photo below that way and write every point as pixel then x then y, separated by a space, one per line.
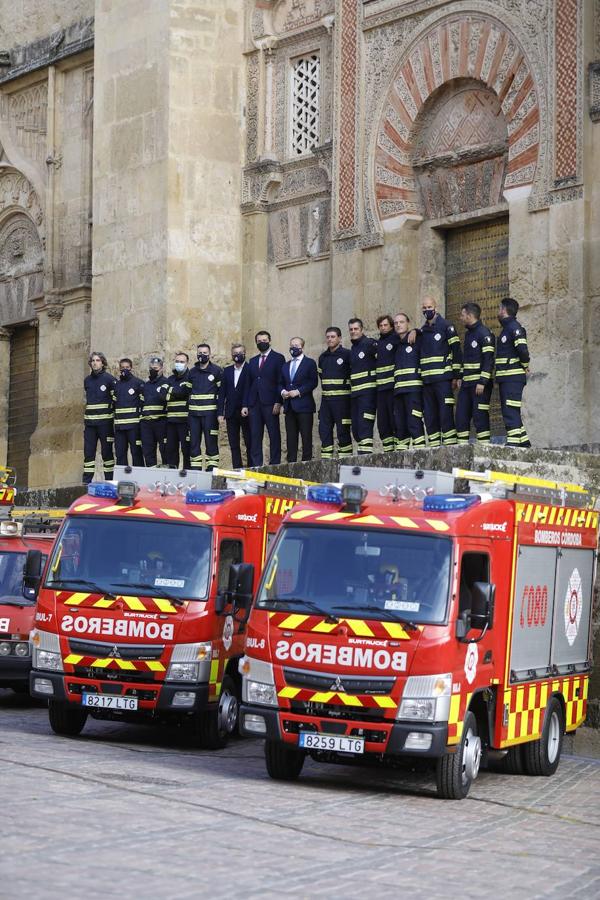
pixel 378 574
pixel 11 578
pixel 108 555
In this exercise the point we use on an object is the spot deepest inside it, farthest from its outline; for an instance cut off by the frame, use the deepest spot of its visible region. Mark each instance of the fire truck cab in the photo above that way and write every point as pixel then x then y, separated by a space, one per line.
pixel 21 530
pixel 398 618
pixel 141 608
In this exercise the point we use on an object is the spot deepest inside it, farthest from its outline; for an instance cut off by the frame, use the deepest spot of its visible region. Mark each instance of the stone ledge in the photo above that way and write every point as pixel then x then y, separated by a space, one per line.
pixel 75 38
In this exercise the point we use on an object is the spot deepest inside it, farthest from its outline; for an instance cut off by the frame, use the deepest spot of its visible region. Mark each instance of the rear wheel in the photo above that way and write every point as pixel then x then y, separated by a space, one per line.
pixel 542 757
pixel 283 763
pixel 457 771
pixel 66 720
pixel 217 725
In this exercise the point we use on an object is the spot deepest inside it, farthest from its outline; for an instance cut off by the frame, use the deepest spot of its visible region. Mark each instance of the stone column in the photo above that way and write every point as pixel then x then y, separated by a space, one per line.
pixel 4 387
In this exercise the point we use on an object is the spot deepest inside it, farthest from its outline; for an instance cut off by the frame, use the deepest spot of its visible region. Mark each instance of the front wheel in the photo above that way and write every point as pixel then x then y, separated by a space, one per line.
pixel 283 763
pixel 66 720
pixel 217 725
pixel 457 771
pixel 542 757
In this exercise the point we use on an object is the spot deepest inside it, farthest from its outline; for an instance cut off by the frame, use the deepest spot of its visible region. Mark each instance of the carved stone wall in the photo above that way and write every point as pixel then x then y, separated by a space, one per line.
pixel 21 268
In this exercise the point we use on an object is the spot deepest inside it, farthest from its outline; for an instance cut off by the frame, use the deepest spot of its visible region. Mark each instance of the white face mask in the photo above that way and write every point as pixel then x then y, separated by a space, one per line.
pixel 179 367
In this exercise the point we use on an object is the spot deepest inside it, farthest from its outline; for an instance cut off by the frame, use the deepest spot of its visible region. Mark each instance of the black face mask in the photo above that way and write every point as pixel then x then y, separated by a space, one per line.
pixel 429 314
pixel 501 319
pixel 152 374
pixel 203 358
pixel 263 346
pixel 239 358
pixel 295 351
pixel 125 374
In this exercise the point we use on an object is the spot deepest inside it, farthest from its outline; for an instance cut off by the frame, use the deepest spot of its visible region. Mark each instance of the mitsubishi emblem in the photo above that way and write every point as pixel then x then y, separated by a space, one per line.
pixel 338 685
pixel 115 653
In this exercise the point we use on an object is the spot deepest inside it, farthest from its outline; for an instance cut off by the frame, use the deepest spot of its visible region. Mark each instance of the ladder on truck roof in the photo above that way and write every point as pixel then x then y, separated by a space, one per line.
pixel 509 484
pixel 164 479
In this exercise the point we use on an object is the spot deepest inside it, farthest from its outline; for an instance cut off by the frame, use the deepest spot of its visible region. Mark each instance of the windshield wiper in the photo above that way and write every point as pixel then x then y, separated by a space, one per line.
pixel 300 601
pixel 153 591
pixel 384 613
pixel 95 588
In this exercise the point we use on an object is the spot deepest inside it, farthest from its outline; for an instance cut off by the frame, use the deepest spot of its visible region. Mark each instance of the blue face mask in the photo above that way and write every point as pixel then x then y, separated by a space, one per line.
pixel 429 314
pixel 295 351
pixel 179 367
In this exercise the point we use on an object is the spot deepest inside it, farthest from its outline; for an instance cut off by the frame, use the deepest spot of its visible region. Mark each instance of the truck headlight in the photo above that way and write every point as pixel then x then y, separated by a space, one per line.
pixel 259 692
pixel 183 671
pixel 46 659
pixel 426 698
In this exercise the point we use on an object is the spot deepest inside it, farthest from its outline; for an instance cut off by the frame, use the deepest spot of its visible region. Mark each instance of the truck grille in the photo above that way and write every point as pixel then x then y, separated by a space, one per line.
pixel 332 711
pixel 102 649
pixel 351 684
pixel 115 675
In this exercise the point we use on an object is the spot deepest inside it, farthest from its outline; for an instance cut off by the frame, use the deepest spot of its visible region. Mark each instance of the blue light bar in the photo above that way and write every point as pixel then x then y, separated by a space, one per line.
pixel 450 502
pixel 324 493
pixel 103 489
pixel 198 498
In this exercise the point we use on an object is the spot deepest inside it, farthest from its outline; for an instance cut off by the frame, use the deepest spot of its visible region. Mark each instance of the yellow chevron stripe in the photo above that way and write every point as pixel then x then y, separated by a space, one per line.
pixel 173 513
pixel 133 603
pixel 438 525
pixel 289 692
pixel 72 659
pixel 359 627
pixel 396 630
pixel 349 699
pixel 385 702
pixel 155 666
pixel 76 599
pixel 293 621
pixel 403 522
pixel 164 605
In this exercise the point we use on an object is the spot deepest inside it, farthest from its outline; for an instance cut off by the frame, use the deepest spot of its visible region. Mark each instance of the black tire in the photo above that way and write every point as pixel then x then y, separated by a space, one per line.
pixel 512 763
pixel 66 720
pixel 542 757
pixel 283 763
pixel 455 772
pixel 216 726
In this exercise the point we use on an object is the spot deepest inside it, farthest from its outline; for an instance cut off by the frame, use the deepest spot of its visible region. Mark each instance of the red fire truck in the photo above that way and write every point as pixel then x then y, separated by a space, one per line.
pixel 20 530
pixel 408 620
pixel 140 612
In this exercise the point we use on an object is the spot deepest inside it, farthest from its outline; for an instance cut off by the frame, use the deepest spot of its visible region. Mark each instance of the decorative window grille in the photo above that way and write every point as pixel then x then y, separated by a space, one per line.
pixel 306 89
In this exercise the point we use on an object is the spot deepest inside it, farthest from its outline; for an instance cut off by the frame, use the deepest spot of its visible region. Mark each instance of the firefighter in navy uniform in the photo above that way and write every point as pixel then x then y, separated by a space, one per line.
pixel 386 356
pixel 334 372
pixel 178 433
pixel 126 395
pixel 363 386
pixel 153 423
pixel 205 379
pixel 408 388
pixel 512 366
pixel 441 366
pixel 98 418
pixel 476 384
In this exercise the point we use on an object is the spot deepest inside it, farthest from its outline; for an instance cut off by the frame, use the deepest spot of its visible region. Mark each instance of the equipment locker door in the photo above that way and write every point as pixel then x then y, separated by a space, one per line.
pixel 573 608
pixel 532 611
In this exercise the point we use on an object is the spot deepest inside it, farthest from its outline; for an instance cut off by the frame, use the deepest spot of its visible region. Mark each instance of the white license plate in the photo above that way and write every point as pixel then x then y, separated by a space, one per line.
pixel 104 701
pixel 311 741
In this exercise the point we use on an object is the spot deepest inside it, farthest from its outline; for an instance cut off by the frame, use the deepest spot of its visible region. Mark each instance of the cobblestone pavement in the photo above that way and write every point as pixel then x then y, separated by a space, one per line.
pixel 125 811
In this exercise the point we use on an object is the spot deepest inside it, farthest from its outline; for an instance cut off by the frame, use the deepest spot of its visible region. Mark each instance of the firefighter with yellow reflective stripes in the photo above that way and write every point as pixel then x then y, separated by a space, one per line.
pixel 153 424
pixel 363 385
pixel 408 388
pixel 384 373
pixel 334 371
pixel 98 418
pixel 441 367
pixel 476 384
pixel 512 367
pixel 126 395
pixel 178 435
pixel 205 378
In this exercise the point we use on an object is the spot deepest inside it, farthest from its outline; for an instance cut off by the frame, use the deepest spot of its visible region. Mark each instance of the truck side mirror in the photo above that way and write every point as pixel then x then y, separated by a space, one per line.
pixel 32 574
pixel 482 604
pixel 241 583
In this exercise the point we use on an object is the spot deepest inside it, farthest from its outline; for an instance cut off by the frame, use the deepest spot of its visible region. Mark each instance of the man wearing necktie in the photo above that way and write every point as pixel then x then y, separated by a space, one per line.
pixel 262 400
pixel 299 378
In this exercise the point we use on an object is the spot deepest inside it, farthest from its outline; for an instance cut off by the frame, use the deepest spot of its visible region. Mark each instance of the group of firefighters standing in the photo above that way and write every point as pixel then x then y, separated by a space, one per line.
pixel 418 384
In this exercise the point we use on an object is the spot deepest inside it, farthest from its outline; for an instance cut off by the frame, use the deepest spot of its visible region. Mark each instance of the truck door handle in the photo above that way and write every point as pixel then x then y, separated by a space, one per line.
pixel 488 657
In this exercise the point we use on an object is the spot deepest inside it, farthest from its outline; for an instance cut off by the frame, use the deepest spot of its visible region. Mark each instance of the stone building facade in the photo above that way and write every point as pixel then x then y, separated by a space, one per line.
pixel 177 170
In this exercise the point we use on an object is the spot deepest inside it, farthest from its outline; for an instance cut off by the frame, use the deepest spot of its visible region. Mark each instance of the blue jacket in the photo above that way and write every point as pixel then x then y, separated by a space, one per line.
pixel 99 402
pixel 305 380
pixel 231 397
pixel 205 390
pixel 512 353
pixel 264 385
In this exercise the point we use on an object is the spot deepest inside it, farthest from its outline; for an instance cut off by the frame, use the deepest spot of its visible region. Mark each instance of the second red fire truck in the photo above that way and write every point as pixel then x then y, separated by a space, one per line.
pixel 397 618
pixel 141 608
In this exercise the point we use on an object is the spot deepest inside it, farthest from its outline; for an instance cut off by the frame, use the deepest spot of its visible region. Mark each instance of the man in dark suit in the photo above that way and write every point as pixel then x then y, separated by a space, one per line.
pixel 299 378
pixel 262 400
pixel 231 398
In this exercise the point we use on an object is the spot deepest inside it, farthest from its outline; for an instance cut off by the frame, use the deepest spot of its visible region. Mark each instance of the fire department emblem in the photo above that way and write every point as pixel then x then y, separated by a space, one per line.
pixel 471 660
pixel 338 685
pixel 131 391
pixel 503 338
pixel 573 606
pixel 211 377
pixel 409 349
pixel 473 344
pixel 340 361
pixel 361 355
pixel 228 632
pixel 388 346
pixel 438 337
